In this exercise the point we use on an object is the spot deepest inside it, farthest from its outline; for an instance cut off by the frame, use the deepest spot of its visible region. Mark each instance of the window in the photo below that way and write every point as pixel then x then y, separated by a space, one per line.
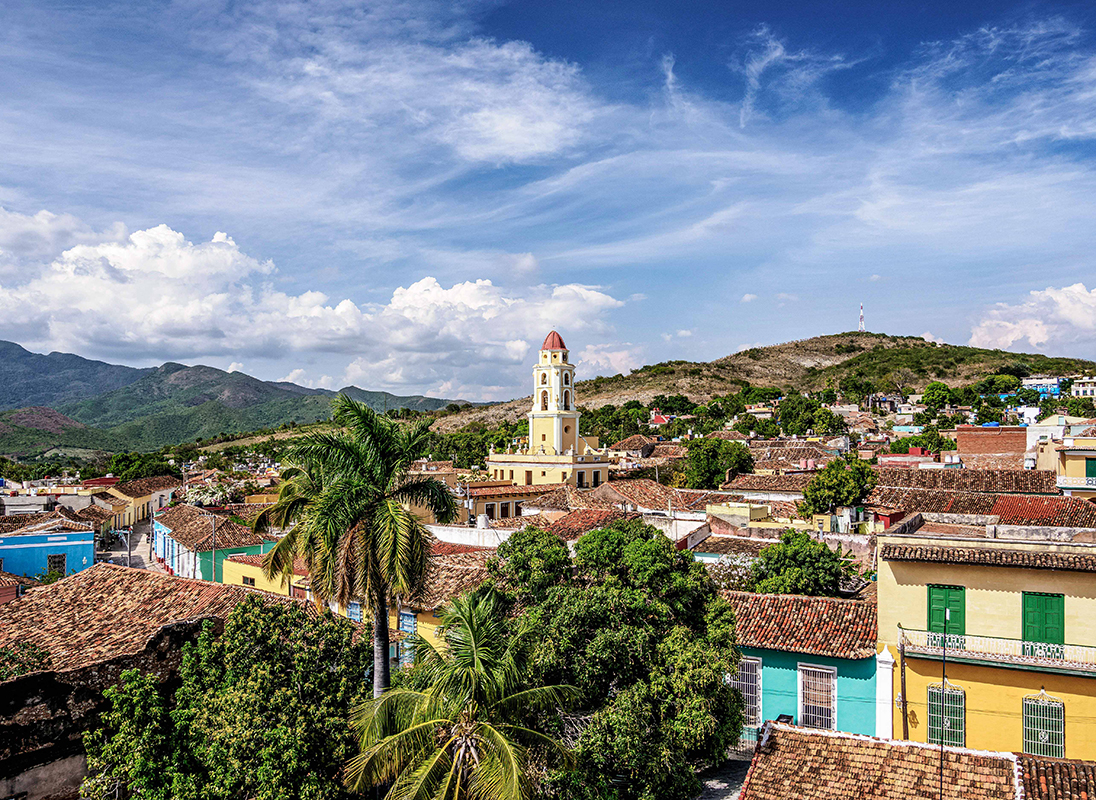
pixel 354 611
pixel 528 477
pixel 566 401
pixel 489 510
pixel 1044 625
pixel 1 565
pixel 56 563
pixel 248 581
pixel 1090 467
pixel 543 378
pixel 1044 726
pixel 408 625
pixel 817 697
pixel 580 479
pixel 947 715
pixel 748 682
pixel 544 401
pixel 947 615
pixel 511 474
pixel 566 379
pixel 597 478
pixel 504 510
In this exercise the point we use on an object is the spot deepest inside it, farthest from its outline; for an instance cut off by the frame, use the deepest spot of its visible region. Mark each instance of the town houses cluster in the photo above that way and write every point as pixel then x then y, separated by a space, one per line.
pixel 963 652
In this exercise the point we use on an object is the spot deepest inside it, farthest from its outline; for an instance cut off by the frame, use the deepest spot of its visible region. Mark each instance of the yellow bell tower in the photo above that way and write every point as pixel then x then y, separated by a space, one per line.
pixel 553 420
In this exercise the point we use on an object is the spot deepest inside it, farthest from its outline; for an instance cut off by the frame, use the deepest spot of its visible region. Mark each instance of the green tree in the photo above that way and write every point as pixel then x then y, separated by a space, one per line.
pixel 131 466
pixel 529 563
pixel 346 503
pixel 827 423
pixel 709 460
pixel 844 482
pixel 936 396
pixel 641 630
pixel 261 712
pixel 800 564
pixel 468 726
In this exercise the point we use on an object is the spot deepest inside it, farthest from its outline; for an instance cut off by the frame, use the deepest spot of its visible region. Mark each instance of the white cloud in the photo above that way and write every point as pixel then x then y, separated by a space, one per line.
pixel 874 278
pixel 784 297
pixel 235 366
pixel 609 359
pixel 748 298
pixel 298 376
pixel 929 337
pixel 1051 316
pixel 160 296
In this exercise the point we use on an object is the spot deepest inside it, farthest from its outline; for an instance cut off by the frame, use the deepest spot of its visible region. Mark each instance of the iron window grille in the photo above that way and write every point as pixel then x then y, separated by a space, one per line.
pixel 1044 726
pixel 354 611
pixel 748 682
pixel 817 697
pixel 56 563
pixel 947 715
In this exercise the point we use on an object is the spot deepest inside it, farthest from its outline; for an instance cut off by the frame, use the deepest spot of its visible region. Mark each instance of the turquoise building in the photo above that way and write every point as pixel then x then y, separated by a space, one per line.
pixel 810 659
pixel 186 539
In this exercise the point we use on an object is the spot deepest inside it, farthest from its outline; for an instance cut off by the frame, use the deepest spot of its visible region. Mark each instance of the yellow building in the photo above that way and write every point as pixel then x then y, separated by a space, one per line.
pixel 144 496
pixel 555 452
pixel 1014 624
pixel 247 570
pixel 1074 460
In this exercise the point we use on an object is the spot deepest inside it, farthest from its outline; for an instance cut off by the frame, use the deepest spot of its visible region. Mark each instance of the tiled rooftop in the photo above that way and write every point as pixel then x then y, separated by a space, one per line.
pixel 990 556
pixel 508 491
pixel 807 764
pixel 571 526
pixel 731 545
pixel 450 575
pixel 107 611
pixel 193 528
pixel 563 498
pixel 997 481
pixel 146 486
pixel 821 626
pixel 636 442
pixel 1057 778
pixel 768 483
pixel 1011 509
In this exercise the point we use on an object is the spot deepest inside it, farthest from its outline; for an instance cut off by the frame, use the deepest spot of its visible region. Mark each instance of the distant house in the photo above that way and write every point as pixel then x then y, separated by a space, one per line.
pixel 637 446
pixel 13 586
pixel 48 543
pixel 145 496
pixel 810 658
pixel 185 539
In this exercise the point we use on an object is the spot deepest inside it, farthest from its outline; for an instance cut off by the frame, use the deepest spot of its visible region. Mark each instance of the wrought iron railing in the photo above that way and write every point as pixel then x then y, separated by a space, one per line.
pixel 1066 480
pixel 994 648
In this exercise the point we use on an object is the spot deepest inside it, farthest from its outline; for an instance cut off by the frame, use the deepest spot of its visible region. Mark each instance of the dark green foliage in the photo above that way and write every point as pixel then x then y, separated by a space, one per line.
pixel 930 439
pixel 709 460
pixel 800 564
pixel 936 395
pixel 20 658
pixel 32 379
pixel 261 713
pixel 529 563
pixel 642 632
pixel 844 482
pixel 131 466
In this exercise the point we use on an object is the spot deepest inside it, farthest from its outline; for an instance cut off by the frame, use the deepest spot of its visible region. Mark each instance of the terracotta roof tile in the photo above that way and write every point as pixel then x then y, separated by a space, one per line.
pixel 826 765
pixel 146 486
pixel 563 498
pixel 107 611
pixel 13 522
pixel 507 491
pixel 450 575
pixel 1057 778
pixel 768 483
pixel 1011 509
pixel 668 451
pixel 193 528
pixel 571 526
pixel 990 556
pixel 821 626
pixel 635 442
pixel 728 436
pixel 995 481
pixel 10 579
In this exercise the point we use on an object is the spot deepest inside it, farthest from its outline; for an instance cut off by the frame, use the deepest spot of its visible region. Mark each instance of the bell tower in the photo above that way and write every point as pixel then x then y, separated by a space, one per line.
pixel 553 420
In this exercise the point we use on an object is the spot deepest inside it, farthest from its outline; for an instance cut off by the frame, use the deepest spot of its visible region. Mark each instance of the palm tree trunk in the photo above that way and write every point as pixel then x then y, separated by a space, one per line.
pixel 380 644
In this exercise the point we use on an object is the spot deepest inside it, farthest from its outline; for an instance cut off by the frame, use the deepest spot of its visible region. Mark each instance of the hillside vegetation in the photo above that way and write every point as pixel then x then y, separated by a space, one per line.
pixel 36 431
pixel 33 379
pixel 805 365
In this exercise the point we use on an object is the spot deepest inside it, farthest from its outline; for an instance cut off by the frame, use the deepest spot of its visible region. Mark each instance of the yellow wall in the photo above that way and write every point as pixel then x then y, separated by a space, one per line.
pixel 426 622
pixel 994 698
pixel 233 573
pixel 994 598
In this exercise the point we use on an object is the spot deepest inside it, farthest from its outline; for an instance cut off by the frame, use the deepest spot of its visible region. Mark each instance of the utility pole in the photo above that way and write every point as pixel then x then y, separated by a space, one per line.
pixel 943 695
pixel 213 521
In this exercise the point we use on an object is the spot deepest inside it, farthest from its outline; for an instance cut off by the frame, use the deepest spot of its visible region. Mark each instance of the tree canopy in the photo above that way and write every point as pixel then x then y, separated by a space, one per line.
pixel 709 460
pixel 844 482
pixel 799 564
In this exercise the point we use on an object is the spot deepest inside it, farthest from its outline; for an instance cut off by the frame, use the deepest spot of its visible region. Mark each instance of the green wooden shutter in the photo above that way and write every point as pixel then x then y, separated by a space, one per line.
pixel 947 598
pixel 1090 467
pixel 1044 618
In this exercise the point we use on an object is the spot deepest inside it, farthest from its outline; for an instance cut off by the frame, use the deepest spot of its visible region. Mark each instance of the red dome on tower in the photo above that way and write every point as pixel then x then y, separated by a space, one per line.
pixel 553 341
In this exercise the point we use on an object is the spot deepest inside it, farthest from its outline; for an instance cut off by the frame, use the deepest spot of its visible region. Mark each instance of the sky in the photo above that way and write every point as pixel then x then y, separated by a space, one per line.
pixel 409 195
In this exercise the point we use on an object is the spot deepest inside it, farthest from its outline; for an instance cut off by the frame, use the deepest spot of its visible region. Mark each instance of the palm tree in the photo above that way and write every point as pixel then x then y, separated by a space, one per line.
pixel 345 503
pixel 466 734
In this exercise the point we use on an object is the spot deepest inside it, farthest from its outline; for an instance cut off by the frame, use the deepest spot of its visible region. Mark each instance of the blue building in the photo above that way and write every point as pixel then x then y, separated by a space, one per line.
pixel 812 659
pixel 51 545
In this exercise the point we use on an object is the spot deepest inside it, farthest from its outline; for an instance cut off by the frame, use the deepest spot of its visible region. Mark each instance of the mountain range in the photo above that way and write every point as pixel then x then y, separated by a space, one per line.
pixel 63 402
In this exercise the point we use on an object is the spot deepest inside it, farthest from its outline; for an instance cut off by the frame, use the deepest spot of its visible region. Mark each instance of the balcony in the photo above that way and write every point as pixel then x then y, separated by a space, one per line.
pixel 995 650
pixel 1066 482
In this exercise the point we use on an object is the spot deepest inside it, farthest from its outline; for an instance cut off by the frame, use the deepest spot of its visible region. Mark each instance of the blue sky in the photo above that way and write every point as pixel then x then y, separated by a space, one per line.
pixel 409 195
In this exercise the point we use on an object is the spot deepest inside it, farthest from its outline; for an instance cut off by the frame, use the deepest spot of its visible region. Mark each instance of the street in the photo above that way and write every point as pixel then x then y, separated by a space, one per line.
pixel 139 556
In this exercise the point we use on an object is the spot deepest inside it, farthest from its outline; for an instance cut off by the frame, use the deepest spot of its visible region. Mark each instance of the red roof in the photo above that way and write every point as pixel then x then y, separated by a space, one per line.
pixel 553 341
pixel 821 626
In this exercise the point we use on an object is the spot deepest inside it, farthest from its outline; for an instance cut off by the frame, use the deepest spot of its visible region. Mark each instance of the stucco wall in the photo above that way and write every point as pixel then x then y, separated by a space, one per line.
pixel 994 598
pixel 855 687
pixel 994 704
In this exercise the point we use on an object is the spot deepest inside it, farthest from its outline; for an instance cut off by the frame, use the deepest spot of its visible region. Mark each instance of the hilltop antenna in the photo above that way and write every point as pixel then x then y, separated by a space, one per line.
pixel 861 317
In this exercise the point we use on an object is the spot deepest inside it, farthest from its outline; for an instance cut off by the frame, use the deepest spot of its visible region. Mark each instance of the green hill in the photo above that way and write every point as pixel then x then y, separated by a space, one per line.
pixel 33 379
pixel 37 431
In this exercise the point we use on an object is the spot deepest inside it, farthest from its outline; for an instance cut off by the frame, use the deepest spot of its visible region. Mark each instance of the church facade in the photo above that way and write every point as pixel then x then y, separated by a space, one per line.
pixel 556 452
